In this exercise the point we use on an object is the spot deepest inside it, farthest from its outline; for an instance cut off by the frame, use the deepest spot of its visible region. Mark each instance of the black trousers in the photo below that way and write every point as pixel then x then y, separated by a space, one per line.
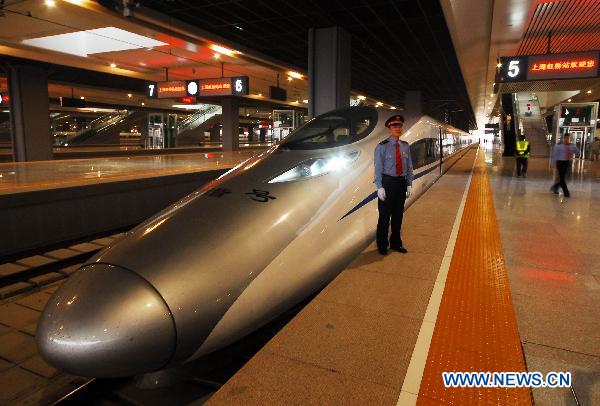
pixel 522 166
pixel 562 167
pixel 392 207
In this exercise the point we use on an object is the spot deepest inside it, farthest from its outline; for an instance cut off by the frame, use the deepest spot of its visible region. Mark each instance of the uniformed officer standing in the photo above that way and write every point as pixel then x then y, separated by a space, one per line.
pixel 522 154
pixel 393 177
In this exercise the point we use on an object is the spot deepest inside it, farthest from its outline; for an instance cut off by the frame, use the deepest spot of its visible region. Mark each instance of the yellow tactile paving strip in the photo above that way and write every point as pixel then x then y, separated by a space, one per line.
pixel 476 329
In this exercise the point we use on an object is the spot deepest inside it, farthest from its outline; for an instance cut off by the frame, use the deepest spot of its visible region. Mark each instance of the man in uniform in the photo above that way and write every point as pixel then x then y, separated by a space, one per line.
pixel 561 157
pixel 393 177
pixel 522 154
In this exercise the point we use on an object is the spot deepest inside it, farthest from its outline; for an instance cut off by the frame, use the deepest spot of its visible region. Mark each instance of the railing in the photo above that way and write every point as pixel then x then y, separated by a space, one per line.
pixel 199 117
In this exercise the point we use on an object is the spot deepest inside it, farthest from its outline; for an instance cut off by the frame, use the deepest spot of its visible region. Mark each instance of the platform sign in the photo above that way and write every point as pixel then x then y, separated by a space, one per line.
pixel 549 66
pixel 224 86
pixel 171 89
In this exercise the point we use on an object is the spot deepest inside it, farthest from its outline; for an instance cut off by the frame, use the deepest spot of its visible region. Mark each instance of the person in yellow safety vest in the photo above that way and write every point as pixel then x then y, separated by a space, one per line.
pixel 522 154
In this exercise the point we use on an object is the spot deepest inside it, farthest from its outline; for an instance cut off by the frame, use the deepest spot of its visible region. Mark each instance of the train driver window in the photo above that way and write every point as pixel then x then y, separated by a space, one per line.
pixel 333 129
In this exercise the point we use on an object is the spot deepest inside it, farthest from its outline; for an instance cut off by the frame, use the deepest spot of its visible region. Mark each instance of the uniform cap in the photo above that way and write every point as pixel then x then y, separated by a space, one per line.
pixel 397 119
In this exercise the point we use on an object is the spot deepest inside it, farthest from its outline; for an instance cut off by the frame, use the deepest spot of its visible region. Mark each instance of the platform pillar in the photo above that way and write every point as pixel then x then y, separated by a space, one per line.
pixel 413 107
pixel 328 69
pixel 30 119
pixel 231 124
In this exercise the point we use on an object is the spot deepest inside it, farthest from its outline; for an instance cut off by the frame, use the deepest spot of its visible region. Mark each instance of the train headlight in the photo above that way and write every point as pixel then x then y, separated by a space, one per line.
pixel 317 167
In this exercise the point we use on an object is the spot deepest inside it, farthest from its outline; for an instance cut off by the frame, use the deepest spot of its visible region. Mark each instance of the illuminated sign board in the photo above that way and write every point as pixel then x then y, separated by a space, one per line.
pixel 223 86
pixel 549 66
pixel 202 87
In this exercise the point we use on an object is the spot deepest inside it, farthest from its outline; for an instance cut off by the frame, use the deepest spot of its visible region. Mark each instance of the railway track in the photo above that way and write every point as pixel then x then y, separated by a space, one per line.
pixel 25 272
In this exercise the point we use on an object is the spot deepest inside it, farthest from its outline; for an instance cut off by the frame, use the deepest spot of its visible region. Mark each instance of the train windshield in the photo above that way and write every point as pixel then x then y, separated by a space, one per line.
pixel 334 129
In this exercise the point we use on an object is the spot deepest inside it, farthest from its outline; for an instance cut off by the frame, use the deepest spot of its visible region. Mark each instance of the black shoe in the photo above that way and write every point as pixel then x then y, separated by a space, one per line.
pixel 382 251
pixel 555 191
pixel 400 249
pixel 567 195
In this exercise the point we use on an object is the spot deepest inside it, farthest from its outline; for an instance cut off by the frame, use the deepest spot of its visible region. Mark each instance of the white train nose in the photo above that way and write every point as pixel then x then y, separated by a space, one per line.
pixel 106 321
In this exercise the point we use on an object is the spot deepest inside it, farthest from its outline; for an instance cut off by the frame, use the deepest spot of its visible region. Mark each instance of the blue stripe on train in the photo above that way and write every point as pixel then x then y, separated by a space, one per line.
pixel 373 195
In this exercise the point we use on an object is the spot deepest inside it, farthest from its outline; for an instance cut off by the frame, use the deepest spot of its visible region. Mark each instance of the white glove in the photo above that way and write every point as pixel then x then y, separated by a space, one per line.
pixel 381 194
pixel 408 191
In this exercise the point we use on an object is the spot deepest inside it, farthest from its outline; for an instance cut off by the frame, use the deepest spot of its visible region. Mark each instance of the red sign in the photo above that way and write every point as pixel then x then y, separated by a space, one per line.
pixel 175 88
pixel 562 66
pixel 188 99
pixel 215 87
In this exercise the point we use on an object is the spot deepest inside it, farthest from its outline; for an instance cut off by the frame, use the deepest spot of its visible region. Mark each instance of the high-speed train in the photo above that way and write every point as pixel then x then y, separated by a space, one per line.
pixel 238 252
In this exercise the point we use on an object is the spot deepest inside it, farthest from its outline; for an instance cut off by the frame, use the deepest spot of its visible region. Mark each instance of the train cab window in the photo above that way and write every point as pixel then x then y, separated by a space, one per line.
pixel 340 127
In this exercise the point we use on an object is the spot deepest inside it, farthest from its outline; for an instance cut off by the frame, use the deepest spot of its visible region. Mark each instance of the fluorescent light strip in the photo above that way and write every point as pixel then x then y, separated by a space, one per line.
pixel 99 40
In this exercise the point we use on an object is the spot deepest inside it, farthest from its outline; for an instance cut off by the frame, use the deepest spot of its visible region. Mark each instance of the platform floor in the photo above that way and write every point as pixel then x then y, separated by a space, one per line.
pixel 373 337
pixel 41 175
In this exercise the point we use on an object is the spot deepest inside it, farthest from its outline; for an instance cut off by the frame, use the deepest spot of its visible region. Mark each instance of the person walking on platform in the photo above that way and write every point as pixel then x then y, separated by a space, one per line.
pixel 561 158
pixel 393 178
pixel 522 154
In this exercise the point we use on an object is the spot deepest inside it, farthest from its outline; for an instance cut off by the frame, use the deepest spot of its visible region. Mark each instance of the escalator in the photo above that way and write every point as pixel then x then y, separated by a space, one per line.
pixel 191 130
pixel 531 123
pixel 106 130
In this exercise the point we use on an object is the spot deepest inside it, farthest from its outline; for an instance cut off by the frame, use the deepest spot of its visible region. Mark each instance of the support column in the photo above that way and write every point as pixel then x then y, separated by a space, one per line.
pixel 231 124
pixel 413 107
pixel 30 118
pixel 328 69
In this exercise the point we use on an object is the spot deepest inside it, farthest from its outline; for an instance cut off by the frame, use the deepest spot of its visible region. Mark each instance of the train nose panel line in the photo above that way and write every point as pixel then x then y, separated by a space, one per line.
pixel 106 321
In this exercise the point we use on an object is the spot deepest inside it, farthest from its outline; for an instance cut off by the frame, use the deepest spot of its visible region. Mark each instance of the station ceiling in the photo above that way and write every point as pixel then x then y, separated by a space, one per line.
pixel 397 45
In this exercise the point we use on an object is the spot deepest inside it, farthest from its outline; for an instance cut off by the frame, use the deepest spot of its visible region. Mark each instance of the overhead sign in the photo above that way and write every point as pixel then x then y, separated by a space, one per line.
pixel 203 87
pixel 549 66
pixel 223 86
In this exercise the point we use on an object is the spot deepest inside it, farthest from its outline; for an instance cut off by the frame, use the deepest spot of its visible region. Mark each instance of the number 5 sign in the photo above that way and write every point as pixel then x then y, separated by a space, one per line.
pixel 513 69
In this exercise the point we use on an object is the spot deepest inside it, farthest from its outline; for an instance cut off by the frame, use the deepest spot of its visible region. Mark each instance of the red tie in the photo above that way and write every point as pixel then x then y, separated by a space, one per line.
pixel 398 160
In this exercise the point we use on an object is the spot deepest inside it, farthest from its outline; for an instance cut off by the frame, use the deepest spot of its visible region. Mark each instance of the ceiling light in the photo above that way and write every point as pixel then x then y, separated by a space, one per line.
pixel 238 27
pixel 99 40
pixel 129 95
pixel 113 65
pixel 569 100
pixel 223 50
pixel 305 101
pixel 295 75
pixel 589 91
pixel 289 78
pixel 50 3
pixel 82 98
pixel 143 104
pixel 260 95
pixel 217 56
pixel 392 107
pixel 360 97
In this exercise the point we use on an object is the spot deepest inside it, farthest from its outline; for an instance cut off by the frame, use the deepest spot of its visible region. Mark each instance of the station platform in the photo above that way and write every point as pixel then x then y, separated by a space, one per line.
pixel 501 275
pixel 49 202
